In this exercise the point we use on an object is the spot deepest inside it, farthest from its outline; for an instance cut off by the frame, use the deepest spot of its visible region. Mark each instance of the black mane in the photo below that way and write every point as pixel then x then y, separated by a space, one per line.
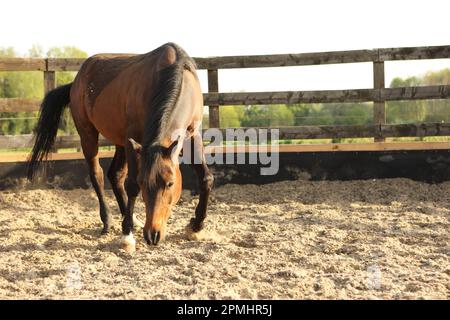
pixel 163 100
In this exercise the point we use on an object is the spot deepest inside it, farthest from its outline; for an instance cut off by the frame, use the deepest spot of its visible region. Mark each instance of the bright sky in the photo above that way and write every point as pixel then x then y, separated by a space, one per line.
pixel 238 27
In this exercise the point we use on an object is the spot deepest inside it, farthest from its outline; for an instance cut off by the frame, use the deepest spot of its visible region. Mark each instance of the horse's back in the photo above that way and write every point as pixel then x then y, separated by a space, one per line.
pixel 98 71
pixel 111 91
pixel 98 95
pixel 101 70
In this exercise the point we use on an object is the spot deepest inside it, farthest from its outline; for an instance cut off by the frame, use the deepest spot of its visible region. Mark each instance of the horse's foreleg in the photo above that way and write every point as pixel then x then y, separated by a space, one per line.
pixel 117 174
pixel 89 143
pixel 132 189
pixel 205 182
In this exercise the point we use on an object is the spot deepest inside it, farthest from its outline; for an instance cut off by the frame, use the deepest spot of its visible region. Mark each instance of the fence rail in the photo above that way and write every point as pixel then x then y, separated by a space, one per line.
pixel 286 133
pixel 379 130
pixel 253 61
pixel 284 97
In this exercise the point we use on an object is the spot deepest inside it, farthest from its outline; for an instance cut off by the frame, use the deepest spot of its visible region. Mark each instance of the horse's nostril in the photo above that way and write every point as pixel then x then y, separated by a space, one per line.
pixel 155 237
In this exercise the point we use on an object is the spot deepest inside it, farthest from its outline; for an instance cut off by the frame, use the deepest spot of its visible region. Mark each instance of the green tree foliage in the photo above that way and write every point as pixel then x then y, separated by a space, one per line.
pixel 355 113
pixel 405 111
pixel 280 115
pixel 338 114
pixel 30 85
pixel 437 110
pixel 255 116
pixel 420 110
pixel 36 51
pixel 18 85
pixel 295 115
pixel 230 116
pixel 267 116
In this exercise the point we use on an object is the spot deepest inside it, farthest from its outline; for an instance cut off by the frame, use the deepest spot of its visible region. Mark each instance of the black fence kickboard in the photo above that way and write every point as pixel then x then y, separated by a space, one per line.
pixel 428 166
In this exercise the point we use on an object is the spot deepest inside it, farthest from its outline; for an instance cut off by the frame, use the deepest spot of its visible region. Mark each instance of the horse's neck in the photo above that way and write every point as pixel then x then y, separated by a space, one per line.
pixel 185 117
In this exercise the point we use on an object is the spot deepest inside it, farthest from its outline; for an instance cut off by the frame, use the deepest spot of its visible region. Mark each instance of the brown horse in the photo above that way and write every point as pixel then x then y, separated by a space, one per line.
pixel 147 105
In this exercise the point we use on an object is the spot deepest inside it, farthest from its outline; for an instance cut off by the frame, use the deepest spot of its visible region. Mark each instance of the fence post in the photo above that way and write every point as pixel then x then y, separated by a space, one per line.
pixel 49 81
pixel 213 86
pixel 379 106
pixel 49 84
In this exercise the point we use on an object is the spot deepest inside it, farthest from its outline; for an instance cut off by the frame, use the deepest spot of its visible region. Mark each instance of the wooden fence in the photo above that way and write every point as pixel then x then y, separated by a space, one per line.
pixel 379 94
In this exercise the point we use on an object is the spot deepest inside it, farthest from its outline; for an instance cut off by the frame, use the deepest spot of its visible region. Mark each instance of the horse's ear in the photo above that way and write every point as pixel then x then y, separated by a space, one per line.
pixel 136 146
pixel 171 149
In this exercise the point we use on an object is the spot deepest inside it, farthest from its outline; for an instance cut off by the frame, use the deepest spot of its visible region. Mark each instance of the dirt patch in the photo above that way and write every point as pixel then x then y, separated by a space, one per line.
pixel 288 240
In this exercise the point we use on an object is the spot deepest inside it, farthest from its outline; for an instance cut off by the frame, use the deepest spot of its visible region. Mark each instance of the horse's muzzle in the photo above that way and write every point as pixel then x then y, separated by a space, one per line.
pixel 152 237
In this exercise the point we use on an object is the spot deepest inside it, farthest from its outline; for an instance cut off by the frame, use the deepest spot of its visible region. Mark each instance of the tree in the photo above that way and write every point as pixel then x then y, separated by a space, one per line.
pixel 30 85
pixel 18 85
pixel 229 117
pixel 421 110
pixel 437 110
pixel 255 116
pixel 280 115
pixel 267 116
pixel 36 51
pixel 301 113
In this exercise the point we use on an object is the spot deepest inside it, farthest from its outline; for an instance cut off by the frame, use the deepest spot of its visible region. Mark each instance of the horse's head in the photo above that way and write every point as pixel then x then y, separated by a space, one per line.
pixel 160 181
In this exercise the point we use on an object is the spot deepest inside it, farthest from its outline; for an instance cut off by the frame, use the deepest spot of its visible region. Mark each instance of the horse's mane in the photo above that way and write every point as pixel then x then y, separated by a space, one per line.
pixel 163 100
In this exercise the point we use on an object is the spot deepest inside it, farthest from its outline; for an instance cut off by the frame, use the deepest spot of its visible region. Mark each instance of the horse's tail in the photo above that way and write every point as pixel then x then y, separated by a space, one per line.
pixel 52 108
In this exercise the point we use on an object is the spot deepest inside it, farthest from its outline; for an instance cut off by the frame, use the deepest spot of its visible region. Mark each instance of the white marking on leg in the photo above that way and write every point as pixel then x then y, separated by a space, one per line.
pixel 128 242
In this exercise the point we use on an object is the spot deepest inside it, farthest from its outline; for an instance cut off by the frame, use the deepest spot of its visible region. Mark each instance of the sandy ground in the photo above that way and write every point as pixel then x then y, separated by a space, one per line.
pixel 288 240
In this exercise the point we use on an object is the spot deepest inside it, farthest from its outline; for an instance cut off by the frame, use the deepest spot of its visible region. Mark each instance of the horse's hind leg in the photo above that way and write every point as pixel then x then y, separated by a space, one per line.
pixel 89 143
pixel 205 182
pixel 116 174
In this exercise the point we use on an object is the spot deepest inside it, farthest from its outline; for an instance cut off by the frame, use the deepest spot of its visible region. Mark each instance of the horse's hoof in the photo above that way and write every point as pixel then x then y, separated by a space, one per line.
pixel 194 235
pixel 104 231
pixel 195 226
pixel 128 243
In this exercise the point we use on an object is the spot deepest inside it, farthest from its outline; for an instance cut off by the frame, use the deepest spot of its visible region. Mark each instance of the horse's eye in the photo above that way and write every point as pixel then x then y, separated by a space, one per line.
pixel 169 184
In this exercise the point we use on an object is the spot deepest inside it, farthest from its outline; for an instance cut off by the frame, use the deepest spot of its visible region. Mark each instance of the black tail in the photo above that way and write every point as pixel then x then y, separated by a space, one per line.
pixel 50 115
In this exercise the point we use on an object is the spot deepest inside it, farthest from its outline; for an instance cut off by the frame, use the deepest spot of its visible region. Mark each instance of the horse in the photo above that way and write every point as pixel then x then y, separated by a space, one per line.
pixel 147 105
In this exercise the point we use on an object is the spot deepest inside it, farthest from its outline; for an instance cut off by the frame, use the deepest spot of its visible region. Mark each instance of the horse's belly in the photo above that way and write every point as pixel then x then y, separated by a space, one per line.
pixel 110 121
pixel 116 138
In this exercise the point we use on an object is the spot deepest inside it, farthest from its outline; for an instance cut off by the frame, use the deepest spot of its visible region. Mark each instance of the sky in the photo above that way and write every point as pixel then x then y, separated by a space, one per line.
pixel 239 27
